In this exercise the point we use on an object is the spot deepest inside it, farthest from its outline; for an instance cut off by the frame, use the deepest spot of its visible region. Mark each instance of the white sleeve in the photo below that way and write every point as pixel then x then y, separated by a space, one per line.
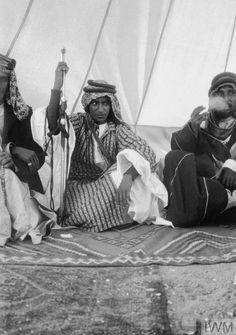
pixel 39 126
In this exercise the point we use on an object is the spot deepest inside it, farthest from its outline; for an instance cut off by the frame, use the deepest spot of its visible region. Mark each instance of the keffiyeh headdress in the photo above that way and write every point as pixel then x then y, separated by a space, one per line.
pixel 97 89
pixel 13 98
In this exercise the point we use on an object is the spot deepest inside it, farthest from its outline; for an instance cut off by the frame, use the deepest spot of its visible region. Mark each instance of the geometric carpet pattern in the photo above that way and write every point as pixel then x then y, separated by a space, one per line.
pixel 135 246
pixel 82 301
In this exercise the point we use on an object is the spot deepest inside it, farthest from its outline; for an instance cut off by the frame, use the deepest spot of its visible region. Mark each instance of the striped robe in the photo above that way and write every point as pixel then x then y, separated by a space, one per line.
pixel 90 197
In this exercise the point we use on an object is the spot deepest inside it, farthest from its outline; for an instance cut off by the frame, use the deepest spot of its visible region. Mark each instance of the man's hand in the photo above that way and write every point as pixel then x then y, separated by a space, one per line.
pixel 61 67
pixel 6 160
pixel 27 156
pixel 123 192
pixel 197 117
pixel 228 179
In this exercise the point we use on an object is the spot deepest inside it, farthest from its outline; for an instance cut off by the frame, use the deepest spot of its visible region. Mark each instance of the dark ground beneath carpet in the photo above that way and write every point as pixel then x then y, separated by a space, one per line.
pixel 59 300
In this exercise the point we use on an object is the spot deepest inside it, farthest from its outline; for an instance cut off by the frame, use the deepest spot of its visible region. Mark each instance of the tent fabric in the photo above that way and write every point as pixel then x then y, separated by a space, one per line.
pixel 161 54
pixel 158 138
pixel 194 49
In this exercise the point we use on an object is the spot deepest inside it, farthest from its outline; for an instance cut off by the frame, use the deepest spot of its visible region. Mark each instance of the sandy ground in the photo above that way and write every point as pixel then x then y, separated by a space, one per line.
pixel 33 297
pixel 202 292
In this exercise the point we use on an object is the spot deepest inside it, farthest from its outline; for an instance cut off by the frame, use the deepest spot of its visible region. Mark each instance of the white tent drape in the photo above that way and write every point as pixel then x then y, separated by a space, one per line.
pixel 161 54
pixel 194 49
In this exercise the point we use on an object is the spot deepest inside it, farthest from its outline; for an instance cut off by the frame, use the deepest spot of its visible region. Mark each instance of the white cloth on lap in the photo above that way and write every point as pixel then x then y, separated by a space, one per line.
pixel 148 194
pixel 20 213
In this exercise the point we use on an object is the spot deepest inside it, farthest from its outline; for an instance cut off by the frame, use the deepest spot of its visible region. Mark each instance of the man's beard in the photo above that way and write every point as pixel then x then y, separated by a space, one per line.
pixel 223 114
pixel 220 108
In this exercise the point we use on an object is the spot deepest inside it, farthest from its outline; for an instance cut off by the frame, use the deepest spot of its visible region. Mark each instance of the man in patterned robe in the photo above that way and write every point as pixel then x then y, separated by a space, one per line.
pixel 20 159
pixel 113 171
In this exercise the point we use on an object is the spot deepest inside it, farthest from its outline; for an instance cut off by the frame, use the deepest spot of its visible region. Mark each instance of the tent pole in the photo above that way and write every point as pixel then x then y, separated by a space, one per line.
pixel 230 44
pixel 154 61
pixel 20 27
pixel 64 137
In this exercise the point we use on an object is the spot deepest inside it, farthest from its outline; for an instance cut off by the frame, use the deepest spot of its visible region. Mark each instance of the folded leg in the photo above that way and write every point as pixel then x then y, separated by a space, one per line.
pixel 192 199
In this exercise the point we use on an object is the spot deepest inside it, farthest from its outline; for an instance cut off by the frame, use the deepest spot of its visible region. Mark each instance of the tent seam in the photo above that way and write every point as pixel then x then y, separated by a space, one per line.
pixel 230 44
pixel 154 61
pixel 20 27
pixel 93 55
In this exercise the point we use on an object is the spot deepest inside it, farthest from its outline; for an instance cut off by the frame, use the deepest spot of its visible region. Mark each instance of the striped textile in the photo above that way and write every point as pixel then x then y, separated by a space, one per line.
pixel 93 204
pixel 90 199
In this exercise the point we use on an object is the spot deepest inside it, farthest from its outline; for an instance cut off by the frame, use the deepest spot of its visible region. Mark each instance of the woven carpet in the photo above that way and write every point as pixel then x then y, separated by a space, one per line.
pixel 138 245
pixel 82 301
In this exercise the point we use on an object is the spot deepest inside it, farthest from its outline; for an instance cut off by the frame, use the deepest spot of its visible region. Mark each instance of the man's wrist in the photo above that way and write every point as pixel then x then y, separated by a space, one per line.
pixel 133 174
pixel 128 174
pixel 128 178
pixel 56 90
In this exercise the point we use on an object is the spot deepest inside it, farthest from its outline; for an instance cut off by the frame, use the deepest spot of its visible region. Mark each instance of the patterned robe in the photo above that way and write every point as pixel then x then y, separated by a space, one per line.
pixel 90 198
